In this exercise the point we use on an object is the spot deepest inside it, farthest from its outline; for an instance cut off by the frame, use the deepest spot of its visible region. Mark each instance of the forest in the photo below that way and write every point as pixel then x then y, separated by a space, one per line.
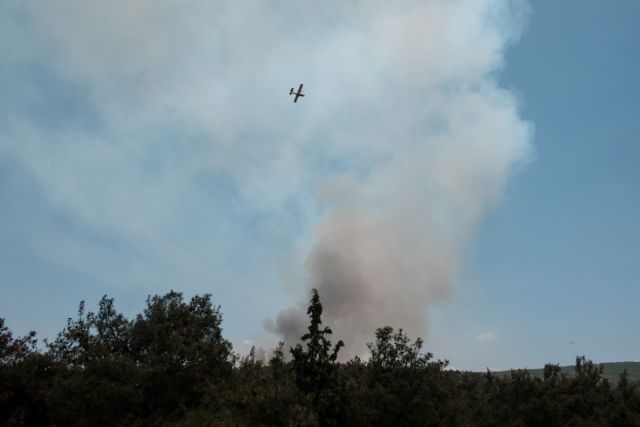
pixel 172 366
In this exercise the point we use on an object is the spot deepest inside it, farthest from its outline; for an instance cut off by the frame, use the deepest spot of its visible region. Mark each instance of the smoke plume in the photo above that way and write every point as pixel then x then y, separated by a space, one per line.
pixel 163 133
pixel 390 238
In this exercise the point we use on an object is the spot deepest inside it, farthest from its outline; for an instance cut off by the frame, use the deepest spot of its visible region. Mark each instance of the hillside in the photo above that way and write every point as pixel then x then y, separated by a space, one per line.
pixel 612 371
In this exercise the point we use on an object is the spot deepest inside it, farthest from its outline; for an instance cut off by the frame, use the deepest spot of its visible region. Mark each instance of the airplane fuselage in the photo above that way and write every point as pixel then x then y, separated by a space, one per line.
pixel 297 94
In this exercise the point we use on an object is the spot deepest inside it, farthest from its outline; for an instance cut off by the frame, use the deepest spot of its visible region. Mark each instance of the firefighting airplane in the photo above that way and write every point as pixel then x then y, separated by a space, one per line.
pixel 297 94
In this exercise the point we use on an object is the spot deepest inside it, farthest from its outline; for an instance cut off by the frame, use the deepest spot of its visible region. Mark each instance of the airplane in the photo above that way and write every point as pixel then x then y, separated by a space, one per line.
pixel 298 94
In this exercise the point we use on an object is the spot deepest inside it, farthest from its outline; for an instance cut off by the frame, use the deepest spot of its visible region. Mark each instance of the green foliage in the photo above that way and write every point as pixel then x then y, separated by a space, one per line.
pixel 316 366
pixel 403 384
pixel 180 354
pixel 94 337
pixel 171 365
pixel 610 371
pixel 396 351
pixel 25 379
pixel 15 350
pixel 108 370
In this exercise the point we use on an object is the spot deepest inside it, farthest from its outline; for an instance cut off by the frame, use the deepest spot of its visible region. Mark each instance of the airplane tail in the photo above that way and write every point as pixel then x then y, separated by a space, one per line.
pixel 291 91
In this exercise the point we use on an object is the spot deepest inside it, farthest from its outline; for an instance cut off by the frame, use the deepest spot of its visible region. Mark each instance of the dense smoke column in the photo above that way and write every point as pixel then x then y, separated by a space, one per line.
pixel 185 149
pixel 390 239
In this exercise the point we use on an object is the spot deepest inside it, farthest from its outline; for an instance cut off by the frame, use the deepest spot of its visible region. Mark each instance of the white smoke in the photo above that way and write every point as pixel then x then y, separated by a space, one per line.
pixel 446 138
pixel 402 143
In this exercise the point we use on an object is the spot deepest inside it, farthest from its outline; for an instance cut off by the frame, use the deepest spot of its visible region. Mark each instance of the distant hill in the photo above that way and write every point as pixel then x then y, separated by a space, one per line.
pixel 611 371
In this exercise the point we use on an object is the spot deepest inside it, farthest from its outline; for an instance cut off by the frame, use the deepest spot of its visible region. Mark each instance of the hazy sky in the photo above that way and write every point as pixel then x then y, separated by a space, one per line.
pixel 468 168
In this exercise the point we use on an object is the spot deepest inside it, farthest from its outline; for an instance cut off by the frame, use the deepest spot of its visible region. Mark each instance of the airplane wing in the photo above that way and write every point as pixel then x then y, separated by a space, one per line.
pixel 296 98
pixel 300 88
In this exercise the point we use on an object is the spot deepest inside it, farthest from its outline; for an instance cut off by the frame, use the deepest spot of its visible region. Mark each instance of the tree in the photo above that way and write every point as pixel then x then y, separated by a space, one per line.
pixel 396 351
pixel 406 387
pixel 172 366
pixel 626 406
pixel 158 367
pixel 96 384
pixel 180 352
pixel 93 337
pixel 25 379
pixel 315 366
pixel 14 350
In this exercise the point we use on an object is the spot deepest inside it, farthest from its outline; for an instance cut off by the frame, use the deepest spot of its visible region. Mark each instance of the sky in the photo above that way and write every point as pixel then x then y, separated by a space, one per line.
pixel 464 169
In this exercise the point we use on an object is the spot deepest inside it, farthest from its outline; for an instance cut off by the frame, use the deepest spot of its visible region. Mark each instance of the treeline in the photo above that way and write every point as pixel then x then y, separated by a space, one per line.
pixel 171 365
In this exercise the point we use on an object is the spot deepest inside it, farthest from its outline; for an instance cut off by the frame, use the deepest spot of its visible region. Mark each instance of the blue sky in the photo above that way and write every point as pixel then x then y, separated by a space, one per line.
pixel 147 148
pixel 557 260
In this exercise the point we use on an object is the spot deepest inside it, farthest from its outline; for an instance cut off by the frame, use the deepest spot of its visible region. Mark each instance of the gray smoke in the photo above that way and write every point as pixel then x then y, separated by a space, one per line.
pixel 195 157
pixel 389 241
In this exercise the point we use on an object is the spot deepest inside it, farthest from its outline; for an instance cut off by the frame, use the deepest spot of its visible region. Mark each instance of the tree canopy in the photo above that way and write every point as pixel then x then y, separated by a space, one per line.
pixel 171 365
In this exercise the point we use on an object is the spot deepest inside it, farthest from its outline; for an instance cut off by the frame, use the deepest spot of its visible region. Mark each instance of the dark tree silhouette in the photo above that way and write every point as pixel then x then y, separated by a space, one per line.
pixel 171 365
pixel 315 365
